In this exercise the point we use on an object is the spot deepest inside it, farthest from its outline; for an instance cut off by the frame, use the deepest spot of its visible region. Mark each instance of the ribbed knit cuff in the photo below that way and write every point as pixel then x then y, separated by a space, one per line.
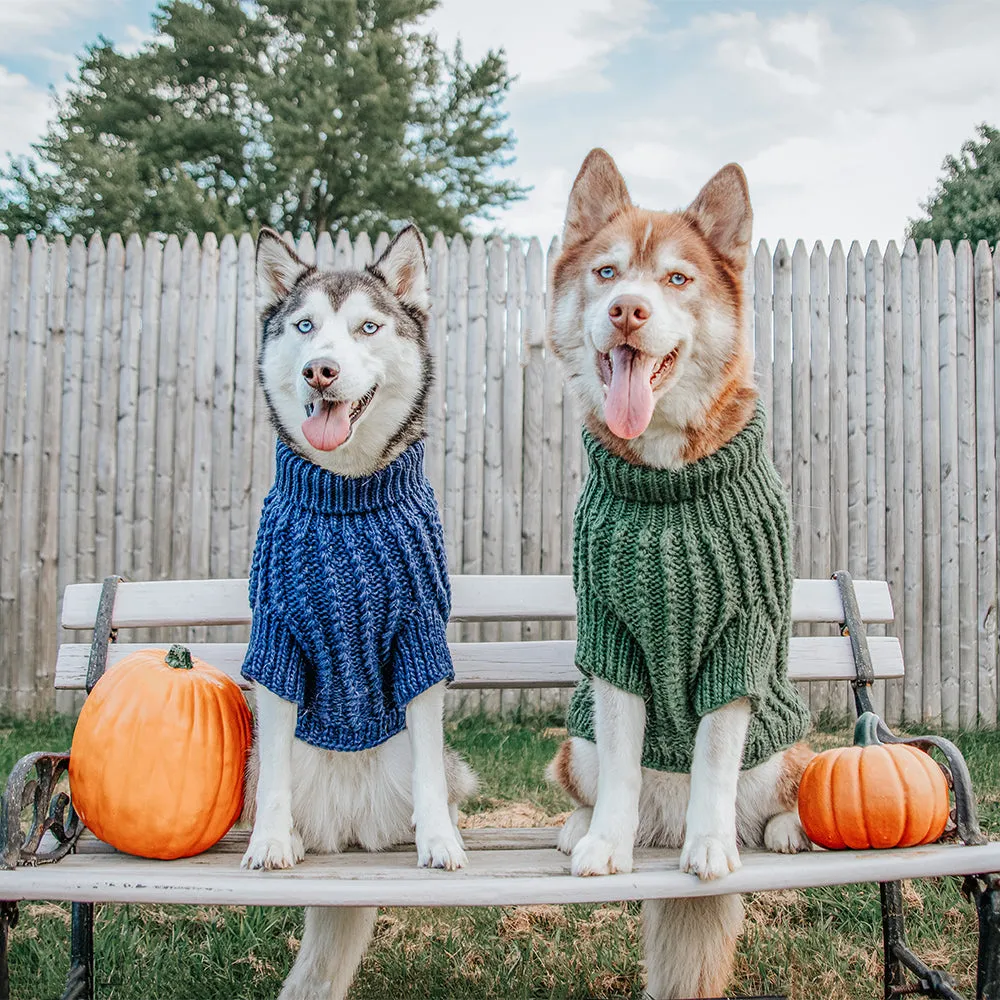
pixel 739 664
pixel 274 659
pixel 605 648
pixel 421 658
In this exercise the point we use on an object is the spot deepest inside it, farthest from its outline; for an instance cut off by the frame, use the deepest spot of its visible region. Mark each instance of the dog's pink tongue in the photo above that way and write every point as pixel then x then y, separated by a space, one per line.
pixel 628 407
pixel 329 426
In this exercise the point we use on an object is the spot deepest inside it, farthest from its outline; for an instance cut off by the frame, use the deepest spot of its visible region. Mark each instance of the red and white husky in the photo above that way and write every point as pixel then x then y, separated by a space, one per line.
pixel 648 320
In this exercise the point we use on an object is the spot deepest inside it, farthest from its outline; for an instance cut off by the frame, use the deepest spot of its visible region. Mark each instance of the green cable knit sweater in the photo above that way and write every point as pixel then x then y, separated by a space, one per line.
pixel 683 585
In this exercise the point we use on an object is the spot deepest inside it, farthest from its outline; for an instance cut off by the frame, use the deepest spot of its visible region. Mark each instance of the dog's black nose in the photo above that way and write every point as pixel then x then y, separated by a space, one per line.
pixel 629 312
pixel 320 374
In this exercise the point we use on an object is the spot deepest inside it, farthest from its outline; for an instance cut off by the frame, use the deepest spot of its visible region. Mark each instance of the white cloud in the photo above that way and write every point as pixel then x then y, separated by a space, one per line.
pixel 849 141
pixel 24 110
pixel 562 43
pixel 543 213
pixel 840 111
pixel 840 115
pixel 135 39
pixel 24 25
pixel 802 34
pixel 51 33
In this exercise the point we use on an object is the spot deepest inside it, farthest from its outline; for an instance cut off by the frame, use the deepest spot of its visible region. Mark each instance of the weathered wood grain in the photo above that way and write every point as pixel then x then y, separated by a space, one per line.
pixel 474 598
pixel 817 516
pixel 781 419
pixel 875 427
pixel 894 435
pixel 35 405
pixel 913 513
pixel 931 494
pixel 965 381
pixel 986 479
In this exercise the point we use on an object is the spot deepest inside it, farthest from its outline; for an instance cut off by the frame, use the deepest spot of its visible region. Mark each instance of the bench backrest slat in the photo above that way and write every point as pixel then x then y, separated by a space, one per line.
pixel 524 664
pixel 474 598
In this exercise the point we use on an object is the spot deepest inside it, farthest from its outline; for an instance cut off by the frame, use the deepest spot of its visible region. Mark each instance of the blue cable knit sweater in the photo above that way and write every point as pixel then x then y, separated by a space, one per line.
pixel 350 598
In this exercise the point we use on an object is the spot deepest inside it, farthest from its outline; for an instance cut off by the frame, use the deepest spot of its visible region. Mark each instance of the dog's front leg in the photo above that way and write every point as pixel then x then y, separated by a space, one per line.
pixel 274 842
pixel 710 837
pixel 439 844
pixel 619 728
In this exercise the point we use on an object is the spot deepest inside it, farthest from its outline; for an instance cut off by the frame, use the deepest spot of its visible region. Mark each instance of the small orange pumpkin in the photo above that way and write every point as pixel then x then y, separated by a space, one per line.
pixel 159 751
pixel 873 794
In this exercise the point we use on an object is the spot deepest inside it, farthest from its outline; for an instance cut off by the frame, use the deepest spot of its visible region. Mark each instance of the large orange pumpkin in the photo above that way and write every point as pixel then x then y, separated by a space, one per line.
pixel 159 751
pixel 873 794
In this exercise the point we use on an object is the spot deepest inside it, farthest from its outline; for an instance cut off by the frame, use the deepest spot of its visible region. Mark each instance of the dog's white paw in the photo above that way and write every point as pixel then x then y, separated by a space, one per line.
pixel 784 834
pixel 709 857
pixel 270 851
pixel 594 855
pixel 440 849
pixel 576 826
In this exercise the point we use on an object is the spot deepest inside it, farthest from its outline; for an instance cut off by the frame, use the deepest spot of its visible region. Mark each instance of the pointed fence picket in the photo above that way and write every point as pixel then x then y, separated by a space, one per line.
pixel 134 437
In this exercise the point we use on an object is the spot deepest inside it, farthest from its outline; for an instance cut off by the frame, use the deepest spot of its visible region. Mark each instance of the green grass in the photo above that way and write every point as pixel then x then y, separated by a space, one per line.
pixel 817 942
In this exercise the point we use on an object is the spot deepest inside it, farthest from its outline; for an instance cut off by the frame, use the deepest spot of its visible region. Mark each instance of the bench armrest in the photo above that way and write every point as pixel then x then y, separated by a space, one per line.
pixel 957 773
pixel 32 784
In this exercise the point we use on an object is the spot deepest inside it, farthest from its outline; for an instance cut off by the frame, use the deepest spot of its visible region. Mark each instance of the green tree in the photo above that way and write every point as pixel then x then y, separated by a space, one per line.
pixel 302 114
pixel 966 203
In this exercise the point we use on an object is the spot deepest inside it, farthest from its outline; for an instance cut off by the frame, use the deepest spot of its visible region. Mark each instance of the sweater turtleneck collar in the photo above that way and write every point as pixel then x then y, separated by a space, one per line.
pixel 732 461
pixel 298 480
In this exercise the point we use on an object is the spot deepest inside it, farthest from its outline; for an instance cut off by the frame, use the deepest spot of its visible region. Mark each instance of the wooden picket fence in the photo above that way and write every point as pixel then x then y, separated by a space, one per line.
pixel 134 439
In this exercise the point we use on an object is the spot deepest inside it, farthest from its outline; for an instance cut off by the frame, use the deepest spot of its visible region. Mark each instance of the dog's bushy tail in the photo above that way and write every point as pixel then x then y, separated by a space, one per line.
pixel 690 945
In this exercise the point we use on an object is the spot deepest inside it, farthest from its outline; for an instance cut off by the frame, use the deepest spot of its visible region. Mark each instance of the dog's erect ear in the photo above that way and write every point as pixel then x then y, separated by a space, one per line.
pixel 278 267
pixel 722 210
pixel 598 194
pixel 403 267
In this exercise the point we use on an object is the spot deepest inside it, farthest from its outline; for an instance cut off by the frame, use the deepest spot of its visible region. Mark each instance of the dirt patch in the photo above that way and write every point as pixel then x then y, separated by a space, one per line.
pixel 611 984
pixel 602 918
pixel 522 921
pixel 510 815
pixel 52 910
pixel 768 908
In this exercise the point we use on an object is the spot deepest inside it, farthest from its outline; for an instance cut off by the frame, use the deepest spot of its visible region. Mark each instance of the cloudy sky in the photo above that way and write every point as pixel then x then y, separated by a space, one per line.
pixel 840 111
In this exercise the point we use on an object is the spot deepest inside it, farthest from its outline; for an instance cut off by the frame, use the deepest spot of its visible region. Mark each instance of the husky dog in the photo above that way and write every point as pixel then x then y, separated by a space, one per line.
pixel 647 319
pixel 345 370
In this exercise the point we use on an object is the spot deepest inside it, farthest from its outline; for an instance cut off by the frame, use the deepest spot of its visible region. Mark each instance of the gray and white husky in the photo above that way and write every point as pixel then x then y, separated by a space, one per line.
pixel 345 369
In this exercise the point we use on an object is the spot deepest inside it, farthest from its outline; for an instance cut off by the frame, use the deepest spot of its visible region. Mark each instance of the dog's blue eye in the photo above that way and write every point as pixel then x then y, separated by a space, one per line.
pixel 369 327
pixel 304 326
pixel 606 272
pixel 679 279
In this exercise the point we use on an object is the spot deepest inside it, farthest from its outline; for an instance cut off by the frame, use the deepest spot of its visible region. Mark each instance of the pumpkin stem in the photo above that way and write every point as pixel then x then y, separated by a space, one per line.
pixel 866 730
pixel 179 657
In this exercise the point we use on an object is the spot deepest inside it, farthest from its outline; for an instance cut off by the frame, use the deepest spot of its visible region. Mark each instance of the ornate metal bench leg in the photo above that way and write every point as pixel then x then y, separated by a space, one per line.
pixel 80 981
pixel 893 935
pixel 900 963
pixel 984 890
pixel 8 921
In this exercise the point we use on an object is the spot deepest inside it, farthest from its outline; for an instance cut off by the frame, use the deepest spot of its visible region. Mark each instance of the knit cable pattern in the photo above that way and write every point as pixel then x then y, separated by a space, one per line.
pixel 350 598
pixel 683 583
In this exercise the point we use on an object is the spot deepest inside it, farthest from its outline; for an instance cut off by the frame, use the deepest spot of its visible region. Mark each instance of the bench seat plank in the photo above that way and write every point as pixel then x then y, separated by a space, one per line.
pixel 474 598
pixel 493 878
pixel 492 838
pixel 548 663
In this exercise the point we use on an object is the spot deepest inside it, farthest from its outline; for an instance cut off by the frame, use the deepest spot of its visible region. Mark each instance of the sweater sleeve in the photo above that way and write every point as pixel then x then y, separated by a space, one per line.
pixel 421 657
pixel 274 659
pixel 739 665
pixel 605 648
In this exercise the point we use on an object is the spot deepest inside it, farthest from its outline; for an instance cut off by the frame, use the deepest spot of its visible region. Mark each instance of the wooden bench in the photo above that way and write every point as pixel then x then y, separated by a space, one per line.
pixel 505 866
